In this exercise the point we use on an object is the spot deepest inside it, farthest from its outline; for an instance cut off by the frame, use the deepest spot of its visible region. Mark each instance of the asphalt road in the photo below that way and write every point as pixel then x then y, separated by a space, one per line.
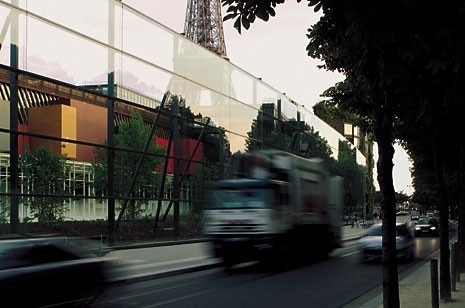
pixel 331 283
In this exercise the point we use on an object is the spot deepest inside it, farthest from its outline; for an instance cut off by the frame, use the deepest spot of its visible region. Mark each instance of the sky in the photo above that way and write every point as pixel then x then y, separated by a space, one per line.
pixel 275 51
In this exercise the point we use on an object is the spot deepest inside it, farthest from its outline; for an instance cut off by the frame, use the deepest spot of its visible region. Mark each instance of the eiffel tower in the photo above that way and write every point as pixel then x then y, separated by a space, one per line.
pixel 204 25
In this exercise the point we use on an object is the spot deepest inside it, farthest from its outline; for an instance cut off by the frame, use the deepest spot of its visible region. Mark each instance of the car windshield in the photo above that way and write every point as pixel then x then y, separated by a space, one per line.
pixel 423 222
pixel 239 198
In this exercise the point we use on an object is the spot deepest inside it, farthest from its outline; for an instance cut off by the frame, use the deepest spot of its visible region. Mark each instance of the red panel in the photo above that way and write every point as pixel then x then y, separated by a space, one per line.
pixel 186 147
pixel 164 143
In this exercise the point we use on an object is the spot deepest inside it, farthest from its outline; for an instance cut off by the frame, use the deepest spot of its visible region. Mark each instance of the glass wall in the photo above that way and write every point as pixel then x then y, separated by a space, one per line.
pixel 73 61
pixel 147 58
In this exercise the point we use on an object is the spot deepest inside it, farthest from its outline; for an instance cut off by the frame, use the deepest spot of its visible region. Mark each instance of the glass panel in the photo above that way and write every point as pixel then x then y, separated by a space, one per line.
pixel 70 14
pixel 56 55
pixel 266 95
pixel 144 78
pixel 243 88
pixel 241 119
pixel 288 108
pixel 208 103
pixel 177 85
pixel 204 67
pixel 146 39
pixel 5 36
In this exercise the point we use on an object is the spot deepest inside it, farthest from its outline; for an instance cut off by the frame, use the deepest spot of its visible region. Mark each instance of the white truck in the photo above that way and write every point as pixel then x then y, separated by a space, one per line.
pixel 275 202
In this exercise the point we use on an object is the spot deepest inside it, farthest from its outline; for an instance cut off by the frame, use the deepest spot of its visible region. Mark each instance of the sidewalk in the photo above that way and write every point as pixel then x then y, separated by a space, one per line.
pixel 415 291
pixel 419 282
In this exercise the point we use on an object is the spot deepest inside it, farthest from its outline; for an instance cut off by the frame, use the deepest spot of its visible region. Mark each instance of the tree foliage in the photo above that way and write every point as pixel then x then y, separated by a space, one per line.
pixel 4 209
pixel 267 132
pixel 301 139
pixel 335 110
pixel 199 181
pixel 245 11
pixel 129 142
pixel 354 178
pixel 43 179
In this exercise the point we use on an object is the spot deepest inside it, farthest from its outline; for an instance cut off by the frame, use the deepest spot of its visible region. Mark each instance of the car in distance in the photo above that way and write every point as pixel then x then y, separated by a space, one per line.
pixel 371 244
pixel 426 226
pixel 414 216
pixel 50 271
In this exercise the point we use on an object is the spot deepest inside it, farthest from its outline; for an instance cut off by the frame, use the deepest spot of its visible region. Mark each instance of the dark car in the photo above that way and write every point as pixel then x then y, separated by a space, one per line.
pixel 414 216
pixel 425 226
pixel 49 271
pixel 371 244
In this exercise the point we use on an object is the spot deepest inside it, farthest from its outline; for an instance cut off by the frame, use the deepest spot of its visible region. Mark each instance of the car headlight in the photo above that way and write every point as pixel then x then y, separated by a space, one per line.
pixel 433 228
pixel 417 228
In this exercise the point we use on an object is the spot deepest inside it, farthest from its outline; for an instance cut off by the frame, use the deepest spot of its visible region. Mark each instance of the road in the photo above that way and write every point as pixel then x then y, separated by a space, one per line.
pixel 330 283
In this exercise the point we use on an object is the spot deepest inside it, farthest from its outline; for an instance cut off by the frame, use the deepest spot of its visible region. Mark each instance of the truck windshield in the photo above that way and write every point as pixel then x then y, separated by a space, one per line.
pixel 238 198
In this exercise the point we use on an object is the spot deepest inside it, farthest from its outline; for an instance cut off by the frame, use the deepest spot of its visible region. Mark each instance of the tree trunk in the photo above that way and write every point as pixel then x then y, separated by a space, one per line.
pixel 383 131
pixel 461 206
pixel 444 267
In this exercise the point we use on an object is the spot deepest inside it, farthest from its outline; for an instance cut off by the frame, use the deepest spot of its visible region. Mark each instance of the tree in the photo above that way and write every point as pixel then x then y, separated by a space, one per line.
pixel 354 38
pixel 266 131
pixel 403 65
pixel 130 138
pixel 299 138
pixel 4 209
pixel 437 153
pixel 336 110
pixel 436 89
pixel 400 51
pixel 366 41
pixel 199 181
pixel 43 179
pixel 354 178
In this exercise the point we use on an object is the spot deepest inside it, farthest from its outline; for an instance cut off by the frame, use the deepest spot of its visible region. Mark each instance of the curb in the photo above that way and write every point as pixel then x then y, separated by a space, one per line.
pixel 157 244
pixel 161 274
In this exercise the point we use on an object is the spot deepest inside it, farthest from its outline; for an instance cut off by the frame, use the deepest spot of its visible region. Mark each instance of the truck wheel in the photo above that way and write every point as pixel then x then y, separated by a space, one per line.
pixel 322 252
pixel 323 246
